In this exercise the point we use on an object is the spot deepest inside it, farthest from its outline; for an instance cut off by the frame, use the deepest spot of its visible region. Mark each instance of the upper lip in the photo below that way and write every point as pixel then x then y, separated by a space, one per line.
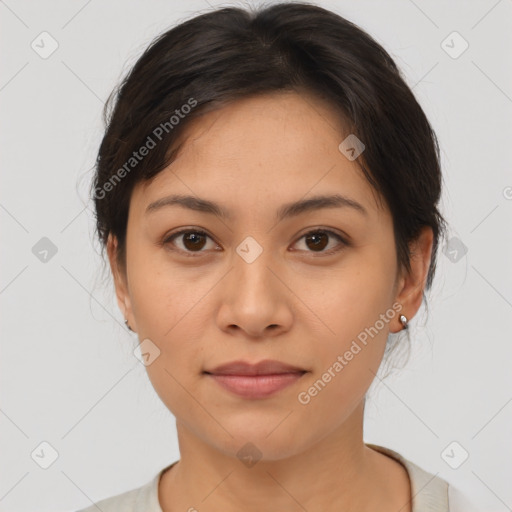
pixel 265 367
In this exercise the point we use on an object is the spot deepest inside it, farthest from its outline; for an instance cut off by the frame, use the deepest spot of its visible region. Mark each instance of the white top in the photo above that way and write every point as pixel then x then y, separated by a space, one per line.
pixel 429 493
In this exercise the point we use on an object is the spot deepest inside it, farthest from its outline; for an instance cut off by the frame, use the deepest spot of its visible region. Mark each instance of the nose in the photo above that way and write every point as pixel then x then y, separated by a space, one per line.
pixel 254 299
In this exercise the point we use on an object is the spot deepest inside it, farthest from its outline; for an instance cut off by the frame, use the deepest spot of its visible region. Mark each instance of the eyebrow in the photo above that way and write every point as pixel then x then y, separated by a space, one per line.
pixel 285 211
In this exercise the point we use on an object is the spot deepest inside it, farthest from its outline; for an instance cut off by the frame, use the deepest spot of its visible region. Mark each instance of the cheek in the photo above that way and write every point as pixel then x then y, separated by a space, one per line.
pixel 357 313
pixel 353 299
pixel 170 308
pixel 162 295
pixel 346 366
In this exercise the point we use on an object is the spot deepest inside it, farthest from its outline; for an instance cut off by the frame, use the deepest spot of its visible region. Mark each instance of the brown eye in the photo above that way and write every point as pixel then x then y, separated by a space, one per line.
pixel 318 240
pixel 190 241
pixel 193 241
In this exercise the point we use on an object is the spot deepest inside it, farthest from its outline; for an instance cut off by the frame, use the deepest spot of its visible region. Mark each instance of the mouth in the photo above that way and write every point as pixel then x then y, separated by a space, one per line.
pixel 255 381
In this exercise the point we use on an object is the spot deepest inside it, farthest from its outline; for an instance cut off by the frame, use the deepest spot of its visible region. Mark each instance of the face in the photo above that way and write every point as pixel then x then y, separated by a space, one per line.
pixel 296 285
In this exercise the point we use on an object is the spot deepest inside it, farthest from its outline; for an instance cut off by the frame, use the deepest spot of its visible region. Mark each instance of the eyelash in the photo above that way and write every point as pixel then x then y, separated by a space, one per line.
pixel 344 243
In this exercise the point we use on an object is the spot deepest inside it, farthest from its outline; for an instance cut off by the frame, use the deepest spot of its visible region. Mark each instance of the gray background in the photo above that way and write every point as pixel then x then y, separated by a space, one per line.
pixel 68 373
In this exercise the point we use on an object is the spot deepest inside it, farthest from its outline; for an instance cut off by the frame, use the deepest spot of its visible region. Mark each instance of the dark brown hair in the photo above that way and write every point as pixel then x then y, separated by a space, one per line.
pixel 232 53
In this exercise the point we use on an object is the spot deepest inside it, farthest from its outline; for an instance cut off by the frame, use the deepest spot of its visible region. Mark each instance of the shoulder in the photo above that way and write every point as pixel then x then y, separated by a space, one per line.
pixel 141 499
pixel 430 493
pixel 125 501
pixel 459 502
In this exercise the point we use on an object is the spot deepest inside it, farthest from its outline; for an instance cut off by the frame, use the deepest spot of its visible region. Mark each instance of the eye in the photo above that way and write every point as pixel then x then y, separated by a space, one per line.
pixel 191 240
pixel 318 239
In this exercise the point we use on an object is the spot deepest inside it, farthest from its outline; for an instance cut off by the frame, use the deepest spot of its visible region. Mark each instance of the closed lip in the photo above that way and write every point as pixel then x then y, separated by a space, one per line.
pixel 265 367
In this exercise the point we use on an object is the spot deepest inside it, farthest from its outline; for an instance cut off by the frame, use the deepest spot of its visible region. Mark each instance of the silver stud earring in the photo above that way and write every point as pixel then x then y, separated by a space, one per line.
pixel 404 321
pixel 127 326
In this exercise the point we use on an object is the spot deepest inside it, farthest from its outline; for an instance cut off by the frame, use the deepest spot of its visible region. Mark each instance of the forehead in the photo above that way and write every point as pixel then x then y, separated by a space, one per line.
pixel 272 148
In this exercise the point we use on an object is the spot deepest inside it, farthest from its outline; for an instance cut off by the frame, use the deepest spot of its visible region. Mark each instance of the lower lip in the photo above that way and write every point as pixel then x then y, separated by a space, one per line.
pixel 256 386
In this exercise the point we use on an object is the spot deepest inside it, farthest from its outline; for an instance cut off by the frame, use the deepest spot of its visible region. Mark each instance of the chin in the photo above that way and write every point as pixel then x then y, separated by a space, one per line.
pixel 258 442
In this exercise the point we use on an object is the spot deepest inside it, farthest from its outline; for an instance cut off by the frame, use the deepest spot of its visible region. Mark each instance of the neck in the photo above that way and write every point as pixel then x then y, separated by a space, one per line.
pixel 337 473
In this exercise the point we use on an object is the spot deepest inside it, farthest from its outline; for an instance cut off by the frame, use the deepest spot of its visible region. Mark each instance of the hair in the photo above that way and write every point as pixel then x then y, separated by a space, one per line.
pixel 231 53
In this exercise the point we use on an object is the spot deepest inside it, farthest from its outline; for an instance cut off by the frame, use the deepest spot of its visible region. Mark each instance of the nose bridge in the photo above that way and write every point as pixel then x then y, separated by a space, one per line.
pixel 251 272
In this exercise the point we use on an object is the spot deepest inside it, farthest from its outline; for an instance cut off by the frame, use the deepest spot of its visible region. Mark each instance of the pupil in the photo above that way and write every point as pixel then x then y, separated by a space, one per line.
pixel 194 238
pixel 317 243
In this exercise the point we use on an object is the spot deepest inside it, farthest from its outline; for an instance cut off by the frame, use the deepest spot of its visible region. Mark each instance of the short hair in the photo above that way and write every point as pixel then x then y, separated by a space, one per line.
pixel 231 53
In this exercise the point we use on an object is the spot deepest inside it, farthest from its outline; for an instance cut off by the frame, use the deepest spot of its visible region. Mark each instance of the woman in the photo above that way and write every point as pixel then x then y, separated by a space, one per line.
pixel 267 191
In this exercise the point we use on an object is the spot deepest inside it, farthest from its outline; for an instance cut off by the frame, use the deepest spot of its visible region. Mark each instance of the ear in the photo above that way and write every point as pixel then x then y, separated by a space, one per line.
pixel 411 285
pixel 120 282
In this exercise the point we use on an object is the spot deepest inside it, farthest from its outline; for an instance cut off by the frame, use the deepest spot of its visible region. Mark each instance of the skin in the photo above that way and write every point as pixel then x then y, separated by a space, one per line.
pixel 293 303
